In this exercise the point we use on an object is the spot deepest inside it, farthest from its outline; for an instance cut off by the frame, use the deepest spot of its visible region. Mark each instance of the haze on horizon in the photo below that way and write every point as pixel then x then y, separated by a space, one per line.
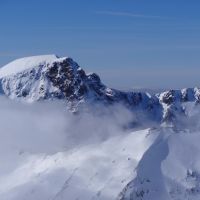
pixel 128 43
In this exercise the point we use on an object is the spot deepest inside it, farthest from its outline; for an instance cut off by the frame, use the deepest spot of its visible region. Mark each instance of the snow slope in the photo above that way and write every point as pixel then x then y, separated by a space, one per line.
pixel 97 171
pixel 23 64
pixel 150 164
pixel 169 169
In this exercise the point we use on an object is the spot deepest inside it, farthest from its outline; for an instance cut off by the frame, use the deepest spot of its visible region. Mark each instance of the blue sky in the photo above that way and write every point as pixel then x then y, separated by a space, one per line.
pixel 130 43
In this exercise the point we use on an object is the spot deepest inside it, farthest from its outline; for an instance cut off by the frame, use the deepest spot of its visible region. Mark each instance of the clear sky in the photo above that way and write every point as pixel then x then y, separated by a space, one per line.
pixel 129 43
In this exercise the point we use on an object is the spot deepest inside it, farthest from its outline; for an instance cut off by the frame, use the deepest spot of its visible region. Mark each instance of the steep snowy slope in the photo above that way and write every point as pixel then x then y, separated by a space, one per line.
pixel 169 169
pixel 97 171
pixel 151 164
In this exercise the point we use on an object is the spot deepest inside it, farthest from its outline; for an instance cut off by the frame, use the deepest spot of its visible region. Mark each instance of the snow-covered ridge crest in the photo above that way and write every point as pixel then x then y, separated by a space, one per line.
pixel 22 64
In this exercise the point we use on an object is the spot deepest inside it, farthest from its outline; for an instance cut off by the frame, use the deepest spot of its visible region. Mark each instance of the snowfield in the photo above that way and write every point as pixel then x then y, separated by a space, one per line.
pixel 97 171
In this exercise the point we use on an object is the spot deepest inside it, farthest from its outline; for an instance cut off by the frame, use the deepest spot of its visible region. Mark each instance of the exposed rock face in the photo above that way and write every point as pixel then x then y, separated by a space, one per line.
pixel 50 77
pixel 173 102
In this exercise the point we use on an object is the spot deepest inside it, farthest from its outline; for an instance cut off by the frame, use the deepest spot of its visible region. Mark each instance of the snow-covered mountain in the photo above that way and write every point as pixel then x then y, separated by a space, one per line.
pixel 41 154
pixel 50 77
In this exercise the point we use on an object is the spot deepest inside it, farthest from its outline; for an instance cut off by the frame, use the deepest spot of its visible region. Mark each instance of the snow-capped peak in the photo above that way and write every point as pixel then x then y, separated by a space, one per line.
pixel 49 77
pixel 26 63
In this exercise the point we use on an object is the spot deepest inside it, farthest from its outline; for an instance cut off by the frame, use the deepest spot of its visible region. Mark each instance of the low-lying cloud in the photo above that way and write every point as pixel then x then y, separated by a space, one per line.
pixel 49 127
